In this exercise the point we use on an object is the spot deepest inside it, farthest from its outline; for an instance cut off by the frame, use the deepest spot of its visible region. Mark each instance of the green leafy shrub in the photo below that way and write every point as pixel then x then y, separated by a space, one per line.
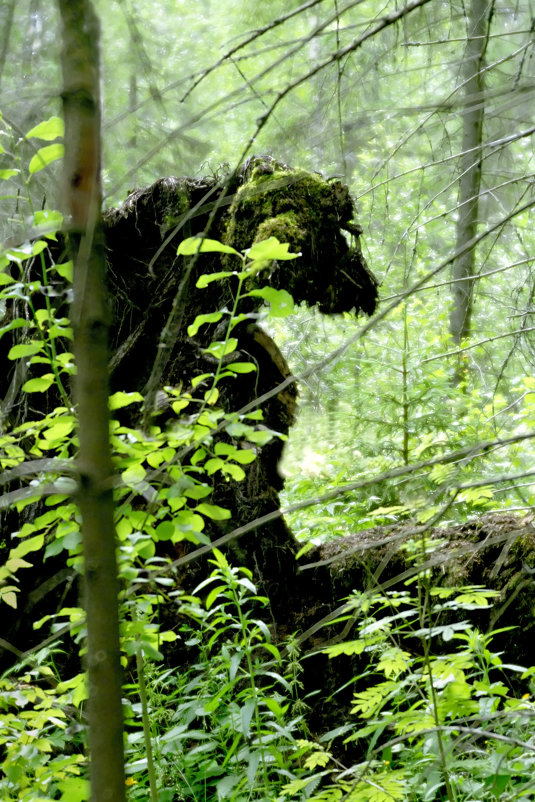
pixel 433 723
pixel 224 727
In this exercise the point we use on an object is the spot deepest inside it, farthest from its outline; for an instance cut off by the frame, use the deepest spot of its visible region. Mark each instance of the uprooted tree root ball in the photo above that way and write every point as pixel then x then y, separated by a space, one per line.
pixel 154 298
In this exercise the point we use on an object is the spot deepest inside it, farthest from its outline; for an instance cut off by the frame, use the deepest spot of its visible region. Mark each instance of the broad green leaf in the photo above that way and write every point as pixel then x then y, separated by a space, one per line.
pixel 45 156
pixel 120 399
pixel 61 428
pixel 198 491
pixel 213 465
pixel 224 449
pixel 5 279
pixel 26 251
pixel 200 320
pixel 270 249
pixel 24 349
pixel 198 379
pixel 198 456
pixel 38 385
pixel 74 789
pixel 14 563
pixel 211 396
pixel 238 429
pixel 213 511
pixel 234 471
pixel 241 367
pixel 257 414
pixel 207 278
pixel 260 437
pixel 222 348
pixel 9 597
pixel 6 174
pixel 65 270
pixel 244 456
pixel 34 543
pixel 281 302
pixel 133 474
pixel 179 405
pixel 188 521
pixel 47 222
pixel 48 130
pixel 165 530
pixel 193 245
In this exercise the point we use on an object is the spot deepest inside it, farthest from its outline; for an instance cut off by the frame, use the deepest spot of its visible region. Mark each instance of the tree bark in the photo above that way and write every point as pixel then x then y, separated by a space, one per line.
pixel 81 105
pixel 470 180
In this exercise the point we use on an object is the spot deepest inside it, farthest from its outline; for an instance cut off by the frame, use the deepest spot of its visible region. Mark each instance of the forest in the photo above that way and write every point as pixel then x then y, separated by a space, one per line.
pixel 267 401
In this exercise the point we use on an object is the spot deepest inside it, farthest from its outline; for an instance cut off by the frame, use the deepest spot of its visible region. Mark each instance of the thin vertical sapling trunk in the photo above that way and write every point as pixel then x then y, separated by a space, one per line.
pixel 470 179
pixel 81 106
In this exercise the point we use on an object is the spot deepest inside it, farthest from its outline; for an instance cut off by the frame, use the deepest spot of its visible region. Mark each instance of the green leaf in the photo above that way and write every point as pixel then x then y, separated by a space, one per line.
pixel 234 471
pixel 199 491
pixel 34 543
pixel 260 437
pixel 9 597
pixel 207 278
pixel 211 396
pixel 14 563
pixel 47 222
pixel 244 456
pixel 281 302
pixel 270 249
pixel 65 270
pixel 200 378
pixel 212 596
pixel 133 474
pixel 38 385
pixel 238 429
pixel 213 465
pixel 213 511
pixel 45 156
pixel 165 530
pixel 74 789
pixel 61 427
pixel 120 399
pixel 188 521
pixel 48 130
pixel 24 349
pixel 26 251
pixel 347 648
pixel 222 348
pixel 317 759
pixel 5 279
pixel 6 174
pixel 224 449
pixel 200 320
pixel 193 245
pixel 241 367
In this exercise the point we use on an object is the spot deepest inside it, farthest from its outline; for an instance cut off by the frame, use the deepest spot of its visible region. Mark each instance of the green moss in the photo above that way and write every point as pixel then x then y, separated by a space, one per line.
pixel 181 205
pixel 285 227
pixel 282 203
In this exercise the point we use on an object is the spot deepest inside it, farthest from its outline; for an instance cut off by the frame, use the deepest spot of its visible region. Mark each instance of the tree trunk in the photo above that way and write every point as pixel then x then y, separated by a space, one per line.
pixel 470 180
pixel 81 105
